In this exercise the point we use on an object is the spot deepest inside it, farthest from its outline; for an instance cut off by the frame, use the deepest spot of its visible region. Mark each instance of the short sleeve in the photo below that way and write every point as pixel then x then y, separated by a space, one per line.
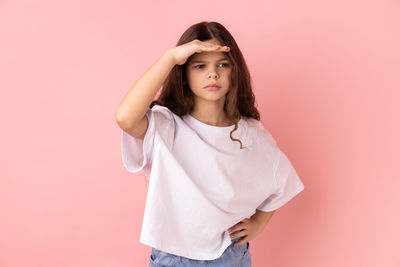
pixel 137 153
pixel 288 184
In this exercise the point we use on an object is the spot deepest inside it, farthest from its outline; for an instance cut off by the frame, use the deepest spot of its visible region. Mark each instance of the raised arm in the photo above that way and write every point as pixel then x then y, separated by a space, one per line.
pixel 135 103
pixel 131 112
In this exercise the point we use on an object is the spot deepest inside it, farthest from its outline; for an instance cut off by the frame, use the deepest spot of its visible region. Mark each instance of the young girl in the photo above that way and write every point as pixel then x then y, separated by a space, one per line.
pixel 216 175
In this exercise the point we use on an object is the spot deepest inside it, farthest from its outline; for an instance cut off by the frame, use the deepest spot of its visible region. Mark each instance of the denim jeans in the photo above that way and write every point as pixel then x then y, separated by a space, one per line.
pixel 232 257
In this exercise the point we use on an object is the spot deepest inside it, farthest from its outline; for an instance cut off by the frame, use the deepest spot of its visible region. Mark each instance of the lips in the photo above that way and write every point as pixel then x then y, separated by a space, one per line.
pixel 213 86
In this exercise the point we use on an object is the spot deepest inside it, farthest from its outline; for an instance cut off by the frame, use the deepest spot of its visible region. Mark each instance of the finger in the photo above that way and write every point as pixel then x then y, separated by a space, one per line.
pixel 241 233
pixel 203 48
pixel 233 229
pixel 226 48
pixel 209 45
pixel 236 227
pixel 241 242
pixel 209 48
pixel 215 47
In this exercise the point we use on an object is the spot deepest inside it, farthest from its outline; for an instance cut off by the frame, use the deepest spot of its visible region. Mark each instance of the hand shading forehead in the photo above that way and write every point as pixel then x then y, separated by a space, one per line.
pixel 208 57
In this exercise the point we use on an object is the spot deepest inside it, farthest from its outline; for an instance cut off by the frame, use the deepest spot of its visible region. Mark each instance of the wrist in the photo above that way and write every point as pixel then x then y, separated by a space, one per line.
pixel 169 56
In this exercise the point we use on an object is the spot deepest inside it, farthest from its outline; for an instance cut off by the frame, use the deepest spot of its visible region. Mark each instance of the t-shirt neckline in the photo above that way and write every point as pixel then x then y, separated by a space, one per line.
pixel 209 127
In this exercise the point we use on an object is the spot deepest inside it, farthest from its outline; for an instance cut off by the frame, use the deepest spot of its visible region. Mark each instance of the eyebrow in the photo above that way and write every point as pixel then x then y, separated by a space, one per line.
pixel 200 61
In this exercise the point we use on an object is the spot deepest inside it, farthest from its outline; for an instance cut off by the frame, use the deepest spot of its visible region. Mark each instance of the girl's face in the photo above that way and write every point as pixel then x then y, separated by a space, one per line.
pixel 207 68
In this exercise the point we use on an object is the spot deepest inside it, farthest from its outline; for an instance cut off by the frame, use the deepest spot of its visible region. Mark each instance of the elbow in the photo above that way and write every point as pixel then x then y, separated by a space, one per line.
pixel 119 118
pixel 124 122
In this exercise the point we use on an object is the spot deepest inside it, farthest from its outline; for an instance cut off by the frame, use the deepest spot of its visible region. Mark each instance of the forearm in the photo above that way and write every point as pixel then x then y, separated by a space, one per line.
pixel 262 217
pixel 136 102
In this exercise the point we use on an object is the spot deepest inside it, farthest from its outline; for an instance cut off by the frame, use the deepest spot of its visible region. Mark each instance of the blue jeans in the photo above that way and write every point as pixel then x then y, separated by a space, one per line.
pixel 232 257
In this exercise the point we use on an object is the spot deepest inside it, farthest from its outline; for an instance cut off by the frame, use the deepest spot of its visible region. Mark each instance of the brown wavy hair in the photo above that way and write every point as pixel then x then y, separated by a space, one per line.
pixel 177 96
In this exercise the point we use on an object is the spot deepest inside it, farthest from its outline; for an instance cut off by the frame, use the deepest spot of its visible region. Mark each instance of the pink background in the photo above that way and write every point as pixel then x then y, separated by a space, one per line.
pixel 326 77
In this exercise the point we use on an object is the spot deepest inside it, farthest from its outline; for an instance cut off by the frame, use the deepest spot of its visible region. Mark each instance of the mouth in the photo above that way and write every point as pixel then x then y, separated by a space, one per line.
pixel 212 88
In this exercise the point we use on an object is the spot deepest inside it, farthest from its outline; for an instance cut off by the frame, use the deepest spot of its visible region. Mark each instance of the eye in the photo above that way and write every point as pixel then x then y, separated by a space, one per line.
pixel 201 65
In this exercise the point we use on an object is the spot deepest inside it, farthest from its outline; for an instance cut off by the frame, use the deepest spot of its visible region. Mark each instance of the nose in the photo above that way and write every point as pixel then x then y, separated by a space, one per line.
pixel 213 75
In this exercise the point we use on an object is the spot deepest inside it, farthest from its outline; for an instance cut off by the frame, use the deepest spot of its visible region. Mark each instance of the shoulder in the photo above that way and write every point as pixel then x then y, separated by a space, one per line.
pixel 164 124
pixel 161 109
pixel 162 112
pixel 260 133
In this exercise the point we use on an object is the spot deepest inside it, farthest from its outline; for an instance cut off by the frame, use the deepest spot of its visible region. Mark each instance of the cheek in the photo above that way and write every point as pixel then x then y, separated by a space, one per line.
pixel 189 77
pixel 194 79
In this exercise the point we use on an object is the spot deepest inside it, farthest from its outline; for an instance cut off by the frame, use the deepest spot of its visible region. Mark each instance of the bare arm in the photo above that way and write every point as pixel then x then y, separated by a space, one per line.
pixel 131 112
pixel 248 229
pixel 135 103
pixel 262 217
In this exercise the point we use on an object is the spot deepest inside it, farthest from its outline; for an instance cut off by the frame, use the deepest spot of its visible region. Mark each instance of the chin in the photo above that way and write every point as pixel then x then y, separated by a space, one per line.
pixel 211 97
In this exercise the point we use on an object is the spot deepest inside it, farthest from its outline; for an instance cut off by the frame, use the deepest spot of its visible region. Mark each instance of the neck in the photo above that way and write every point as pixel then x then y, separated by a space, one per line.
pixel 211 112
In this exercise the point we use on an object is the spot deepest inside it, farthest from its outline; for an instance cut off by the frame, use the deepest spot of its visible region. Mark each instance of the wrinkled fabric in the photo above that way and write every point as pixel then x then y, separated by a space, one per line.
pixel 201 183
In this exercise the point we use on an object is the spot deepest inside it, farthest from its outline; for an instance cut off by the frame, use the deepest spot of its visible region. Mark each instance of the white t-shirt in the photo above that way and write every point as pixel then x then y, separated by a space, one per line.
pixel 201 183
